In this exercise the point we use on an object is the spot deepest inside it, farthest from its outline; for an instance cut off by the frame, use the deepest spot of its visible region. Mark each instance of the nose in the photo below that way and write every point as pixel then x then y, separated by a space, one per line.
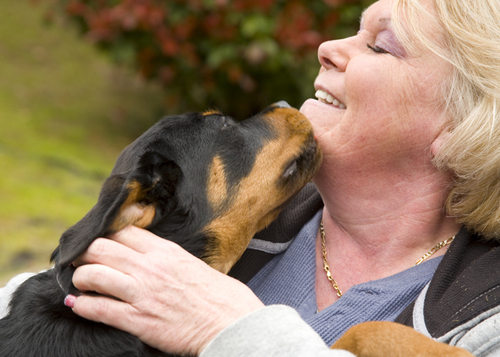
pixel 337 53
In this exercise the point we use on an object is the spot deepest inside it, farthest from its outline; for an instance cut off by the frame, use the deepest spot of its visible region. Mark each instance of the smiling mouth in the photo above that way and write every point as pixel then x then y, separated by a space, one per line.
pixel 326 98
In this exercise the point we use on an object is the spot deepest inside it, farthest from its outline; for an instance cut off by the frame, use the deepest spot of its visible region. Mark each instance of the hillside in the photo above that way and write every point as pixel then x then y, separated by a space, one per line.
pixel 65 114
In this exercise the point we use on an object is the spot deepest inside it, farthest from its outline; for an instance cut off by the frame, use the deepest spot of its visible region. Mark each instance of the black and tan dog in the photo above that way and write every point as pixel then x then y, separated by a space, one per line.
pixel 203 180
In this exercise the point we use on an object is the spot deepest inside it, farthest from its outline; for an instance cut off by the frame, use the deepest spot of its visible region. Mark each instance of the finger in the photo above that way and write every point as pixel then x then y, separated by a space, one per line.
pixel 108 252
pixel 105 281
pixel 140 240
pixel 105 310
pixel 120 315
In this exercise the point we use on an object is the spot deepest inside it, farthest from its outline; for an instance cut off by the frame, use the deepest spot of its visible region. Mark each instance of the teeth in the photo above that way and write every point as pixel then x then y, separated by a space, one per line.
pixel 321 94
pixel 329 99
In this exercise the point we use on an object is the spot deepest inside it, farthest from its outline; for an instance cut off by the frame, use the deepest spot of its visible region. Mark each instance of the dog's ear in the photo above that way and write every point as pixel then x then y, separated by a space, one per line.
pixel 125 199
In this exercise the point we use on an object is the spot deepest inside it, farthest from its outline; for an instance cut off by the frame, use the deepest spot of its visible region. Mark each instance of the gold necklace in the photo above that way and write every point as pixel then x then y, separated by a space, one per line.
pixel 326 267
pixel 434 250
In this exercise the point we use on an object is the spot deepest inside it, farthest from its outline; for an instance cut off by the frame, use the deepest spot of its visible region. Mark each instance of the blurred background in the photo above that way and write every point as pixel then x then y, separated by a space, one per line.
pixel 80 79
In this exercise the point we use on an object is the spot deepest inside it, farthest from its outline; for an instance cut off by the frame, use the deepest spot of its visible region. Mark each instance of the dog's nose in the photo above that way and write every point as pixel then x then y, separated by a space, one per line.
pixel 282 104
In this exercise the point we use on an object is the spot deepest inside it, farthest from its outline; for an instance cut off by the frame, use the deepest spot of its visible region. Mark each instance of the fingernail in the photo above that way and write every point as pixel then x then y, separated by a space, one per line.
pixel 69 300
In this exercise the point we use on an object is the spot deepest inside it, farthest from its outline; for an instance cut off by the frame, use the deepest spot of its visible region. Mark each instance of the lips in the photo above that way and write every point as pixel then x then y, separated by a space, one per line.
pixel 327 98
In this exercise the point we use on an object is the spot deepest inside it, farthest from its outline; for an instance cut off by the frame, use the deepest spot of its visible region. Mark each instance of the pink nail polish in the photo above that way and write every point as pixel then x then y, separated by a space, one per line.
pixel 69 300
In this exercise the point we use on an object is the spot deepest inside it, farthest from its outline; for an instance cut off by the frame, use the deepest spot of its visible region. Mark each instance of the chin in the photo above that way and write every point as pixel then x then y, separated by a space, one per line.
pixel 308 105
pixel 323 117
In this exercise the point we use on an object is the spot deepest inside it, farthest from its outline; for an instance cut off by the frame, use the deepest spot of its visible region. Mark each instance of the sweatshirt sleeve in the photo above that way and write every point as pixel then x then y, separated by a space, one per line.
pixel 275 331
pixel 482 338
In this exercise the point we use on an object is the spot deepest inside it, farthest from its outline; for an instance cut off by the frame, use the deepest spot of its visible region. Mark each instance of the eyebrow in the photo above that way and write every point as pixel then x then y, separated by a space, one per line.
pixel 383 19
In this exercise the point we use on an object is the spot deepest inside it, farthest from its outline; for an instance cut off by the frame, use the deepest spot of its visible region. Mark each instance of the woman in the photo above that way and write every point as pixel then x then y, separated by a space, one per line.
pixel 408 122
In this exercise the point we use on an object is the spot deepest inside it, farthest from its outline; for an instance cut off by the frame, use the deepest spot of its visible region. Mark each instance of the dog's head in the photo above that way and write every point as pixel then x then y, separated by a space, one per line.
pixel 203 180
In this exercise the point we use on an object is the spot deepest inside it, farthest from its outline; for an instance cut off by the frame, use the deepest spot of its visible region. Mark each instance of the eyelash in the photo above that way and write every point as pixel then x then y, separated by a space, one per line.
pixel 226 123
pixel 377 49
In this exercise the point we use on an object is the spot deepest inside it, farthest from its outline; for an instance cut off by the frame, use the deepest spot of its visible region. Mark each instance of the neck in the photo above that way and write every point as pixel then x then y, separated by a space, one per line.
pixel 382 220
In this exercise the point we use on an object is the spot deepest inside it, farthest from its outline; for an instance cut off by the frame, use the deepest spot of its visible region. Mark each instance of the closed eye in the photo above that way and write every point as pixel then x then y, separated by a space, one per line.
pixel 291 170
pixel 227 122
pixel 377 49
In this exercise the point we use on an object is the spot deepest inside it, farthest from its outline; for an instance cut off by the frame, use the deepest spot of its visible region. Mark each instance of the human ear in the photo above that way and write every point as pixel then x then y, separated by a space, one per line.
pixel 438 142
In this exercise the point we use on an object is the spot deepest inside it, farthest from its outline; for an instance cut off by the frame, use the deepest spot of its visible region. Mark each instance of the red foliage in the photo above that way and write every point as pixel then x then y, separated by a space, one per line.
pixel 295 27
pixel 224 48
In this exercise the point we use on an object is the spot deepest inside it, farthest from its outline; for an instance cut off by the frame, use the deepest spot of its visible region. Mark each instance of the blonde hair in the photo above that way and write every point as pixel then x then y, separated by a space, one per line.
pixel 470 41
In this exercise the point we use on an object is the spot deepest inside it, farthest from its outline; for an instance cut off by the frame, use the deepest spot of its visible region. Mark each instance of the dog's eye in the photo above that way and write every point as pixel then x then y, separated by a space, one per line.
pixel 226 122
pixel 291 170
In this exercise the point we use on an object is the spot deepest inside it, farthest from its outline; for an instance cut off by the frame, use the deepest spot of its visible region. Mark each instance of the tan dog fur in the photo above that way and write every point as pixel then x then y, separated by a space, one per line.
pixel 390 339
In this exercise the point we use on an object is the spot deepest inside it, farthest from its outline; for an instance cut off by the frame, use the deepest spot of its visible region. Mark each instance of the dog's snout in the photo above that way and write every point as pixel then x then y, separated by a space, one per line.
pixel 289 121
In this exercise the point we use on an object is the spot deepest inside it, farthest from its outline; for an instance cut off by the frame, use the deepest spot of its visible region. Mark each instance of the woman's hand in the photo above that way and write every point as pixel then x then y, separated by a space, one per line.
pixel 167 298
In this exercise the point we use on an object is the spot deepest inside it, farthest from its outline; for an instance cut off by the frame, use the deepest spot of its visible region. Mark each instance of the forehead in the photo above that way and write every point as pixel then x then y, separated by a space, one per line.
pixel 377 14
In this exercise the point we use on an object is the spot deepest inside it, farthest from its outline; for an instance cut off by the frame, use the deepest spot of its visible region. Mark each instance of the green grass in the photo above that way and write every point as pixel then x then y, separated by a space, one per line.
pixel 65 114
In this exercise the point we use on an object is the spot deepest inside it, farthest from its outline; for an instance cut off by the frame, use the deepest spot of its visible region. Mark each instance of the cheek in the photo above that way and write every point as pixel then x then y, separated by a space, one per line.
pixel 392 113
pixel 392 95
pixel 390 107
pixel 377 84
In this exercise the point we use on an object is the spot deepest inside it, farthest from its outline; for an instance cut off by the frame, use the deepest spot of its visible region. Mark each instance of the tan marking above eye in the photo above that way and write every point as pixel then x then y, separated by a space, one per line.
pixel 217 184
pixel 212 112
